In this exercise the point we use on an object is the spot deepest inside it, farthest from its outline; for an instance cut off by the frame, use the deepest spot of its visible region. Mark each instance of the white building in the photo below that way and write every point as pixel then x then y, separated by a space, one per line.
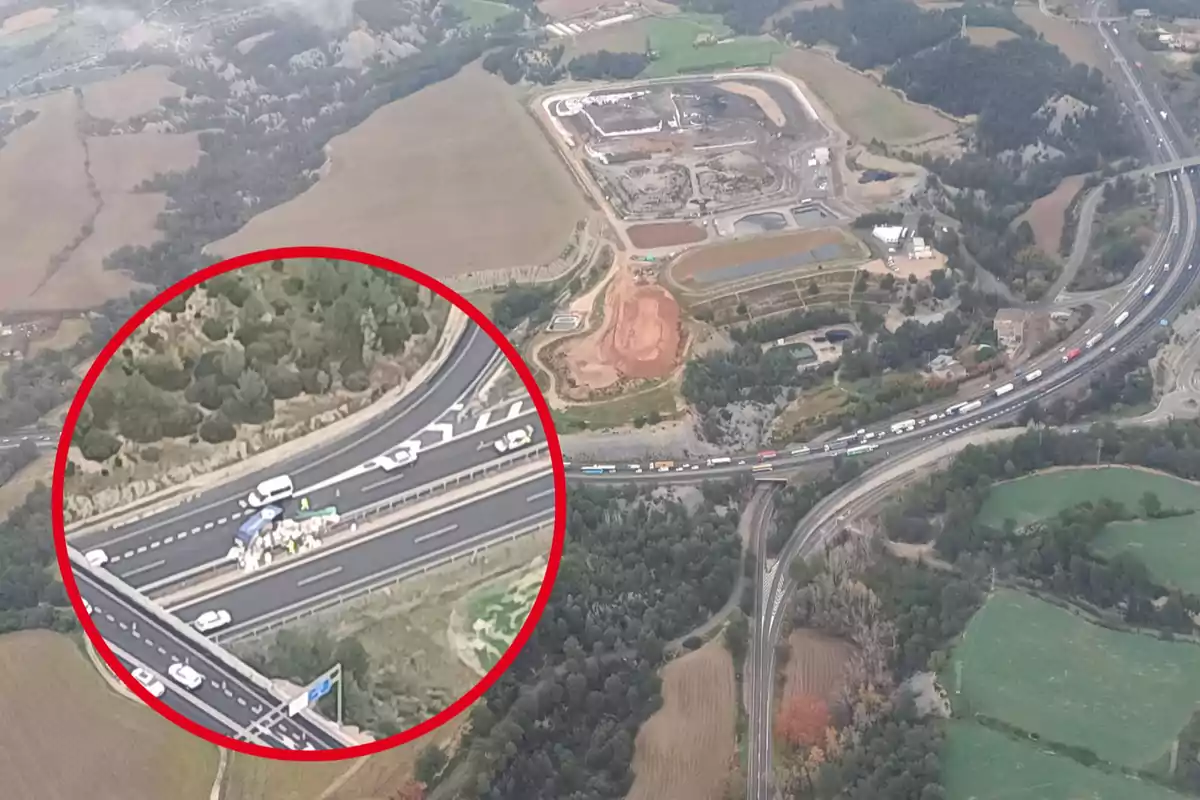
pixel 889 234
pixel 920 249
pixel 821 155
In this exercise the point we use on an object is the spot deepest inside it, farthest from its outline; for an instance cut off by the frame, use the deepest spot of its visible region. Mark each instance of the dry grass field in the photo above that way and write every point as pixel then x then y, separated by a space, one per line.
pixel 454 179
pixel 139 91
pixel 67 735
pixel 989 37
pixel 816 665
pixel 1047 215
pixel 375 777
pixel 1076 41
pixel 862 107
pixel 29 19
pixel 119 164
pixel 45 202
pixel 686 750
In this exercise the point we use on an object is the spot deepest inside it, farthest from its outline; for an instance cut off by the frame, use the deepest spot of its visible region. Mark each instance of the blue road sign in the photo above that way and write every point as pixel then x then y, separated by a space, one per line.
pixel 320 690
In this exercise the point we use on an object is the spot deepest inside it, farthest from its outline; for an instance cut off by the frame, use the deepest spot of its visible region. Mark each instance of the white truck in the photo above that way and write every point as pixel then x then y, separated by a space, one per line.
pixel 1120 319
pixel 1092 342
pixel 1033 376
pixel 515 440
pixel 1003 390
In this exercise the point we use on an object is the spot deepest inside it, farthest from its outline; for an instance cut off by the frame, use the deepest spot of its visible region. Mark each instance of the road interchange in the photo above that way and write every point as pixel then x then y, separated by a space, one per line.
pixel 456 496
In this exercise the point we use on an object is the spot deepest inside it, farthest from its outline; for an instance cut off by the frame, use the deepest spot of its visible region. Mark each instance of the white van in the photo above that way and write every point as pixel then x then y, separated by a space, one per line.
pixel 271 491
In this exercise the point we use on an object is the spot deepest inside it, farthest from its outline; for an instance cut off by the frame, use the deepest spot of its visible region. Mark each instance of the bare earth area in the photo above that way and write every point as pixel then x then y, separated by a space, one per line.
pixel 1047 215
pixel 67 735
pixel 686 750
pixel 988 37
pixel 45 202
pixel 664 234
pixel 730 254
pixel 28 19
pixel 759 96
pixel 138 91
pixel 817 665
pixel 118 164
pixel 453 179
pixel 639 339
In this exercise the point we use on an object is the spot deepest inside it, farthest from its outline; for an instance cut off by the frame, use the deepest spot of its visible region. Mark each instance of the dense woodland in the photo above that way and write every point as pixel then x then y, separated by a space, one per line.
pixel 30 594
pixel 1039 117
pixel 637 571
pixel 265 334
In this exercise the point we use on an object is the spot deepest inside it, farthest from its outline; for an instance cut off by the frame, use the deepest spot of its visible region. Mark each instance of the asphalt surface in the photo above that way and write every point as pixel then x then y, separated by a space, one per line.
pixel 156 647
pixel 371 558
pixel 172 546
pixel 462 371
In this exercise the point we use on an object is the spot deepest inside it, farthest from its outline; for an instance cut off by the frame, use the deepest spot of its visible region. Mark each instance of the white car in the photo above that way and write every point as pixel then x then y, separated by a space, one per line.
pixel 146 678
pixel 185 675
pixel 97 558
pixel 212 620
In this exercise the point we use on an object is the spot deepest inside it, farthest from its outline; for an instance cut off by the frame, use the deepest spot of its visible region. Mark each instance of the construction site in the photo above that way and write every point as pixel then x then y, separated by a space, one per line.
pixel 688 150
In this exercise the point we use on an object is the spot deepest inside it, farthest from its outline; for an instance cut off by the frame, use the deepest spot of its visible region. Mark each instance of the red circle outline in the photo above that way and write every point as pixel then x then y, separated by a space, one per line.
pixel 560 503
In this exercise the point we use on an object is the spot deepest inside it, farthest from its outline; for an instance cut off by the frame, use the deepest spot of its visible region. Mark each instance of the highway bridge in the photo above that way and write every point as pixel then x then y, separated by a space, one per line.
pixel 150 571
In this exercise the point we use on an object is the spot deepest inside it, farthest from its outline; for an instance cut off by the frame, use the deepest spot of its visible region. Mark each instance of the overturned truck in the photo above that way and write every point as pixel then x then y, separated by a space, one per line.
pixel 267 534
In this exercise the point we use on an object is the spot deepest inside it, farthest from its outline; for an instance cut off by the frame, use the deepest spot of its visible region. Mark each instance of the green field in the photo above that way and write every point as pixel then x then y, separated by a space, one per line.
pixel 982 764
pixel 482 12
pixel 1170 548
pixel 497 614
pixel 673 39
pixel 1046 670
pixel 617 413
pixel 1040 496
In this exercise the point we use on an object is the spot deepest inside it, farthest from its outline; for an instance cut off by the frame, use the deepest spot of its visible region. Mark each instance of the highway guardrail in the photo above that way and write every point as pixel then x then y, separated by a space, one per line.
pixel 443 484
pixel 190 635
pixel 376 583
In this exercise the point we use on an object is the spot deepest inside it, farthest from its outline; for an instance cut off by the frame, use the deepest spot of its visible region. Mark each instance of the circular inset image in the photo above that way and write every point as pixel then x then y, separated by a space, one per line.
pixel 309 504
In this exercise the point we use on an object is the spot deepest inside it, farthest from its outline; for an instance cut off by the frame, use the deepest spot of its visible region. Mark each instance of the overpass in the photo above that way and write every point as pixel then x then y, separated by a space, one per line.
pixel 1170 166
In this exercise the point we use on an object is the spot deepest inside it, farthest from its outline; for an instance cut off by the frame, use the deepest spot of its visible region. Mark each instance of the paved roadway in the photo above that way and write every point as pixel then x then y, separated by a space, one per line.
pixel 156 646
pixel 373 558
pixel 192 536
pixel 172 546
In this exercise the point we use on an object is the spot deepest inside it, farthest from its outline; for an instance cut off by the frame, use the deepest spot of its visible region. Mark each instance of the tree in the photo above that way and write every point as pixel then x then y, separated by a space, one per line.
pixel 214 329
pixel 99 445
pixel 217 428
pixel 802 720
pixel 430 763
pixel 1151 504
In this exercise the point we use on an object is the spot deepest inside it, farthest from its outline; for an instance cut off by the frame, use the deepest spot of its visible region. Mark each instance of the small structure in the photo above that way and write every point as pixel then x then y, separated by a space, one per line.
pixel 1142 13
pixel 947 367
pixel 891 235
pixel 821 156
pixel 920 249
pixel 1010 328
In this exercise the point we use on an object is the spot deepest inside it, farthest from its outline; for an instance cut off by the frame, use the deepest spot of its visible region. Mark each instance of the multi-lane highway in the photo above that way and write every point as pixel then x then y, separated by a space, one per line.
pixel 470 495
pixel 225 702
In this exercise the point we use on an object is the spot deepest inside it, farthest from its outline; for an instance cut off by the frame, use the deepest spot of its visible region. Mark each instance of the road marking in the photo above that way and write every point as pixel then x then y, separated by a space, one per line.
pixel 155 545
pixel 222 520
pixel 123 626
pixel 444 428
pixel 141 549
pixel 539 495
pixel 196 529
pixel 128 554
pixel 483 420
pixel 148 642
pixel 514 409
pixel 235 515
pixel 319 576
pixel 144 568
pixel 168 540
pixel 207 525
pixel 373 486
pixel 181 535
pixel 241 701
pixel 426 537
pixel 162 652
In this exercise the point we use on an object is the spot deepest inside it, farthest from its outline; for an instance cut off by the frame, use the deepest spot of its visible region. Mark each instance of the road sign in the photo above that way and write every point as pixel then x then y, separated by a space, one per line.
pixel 320 690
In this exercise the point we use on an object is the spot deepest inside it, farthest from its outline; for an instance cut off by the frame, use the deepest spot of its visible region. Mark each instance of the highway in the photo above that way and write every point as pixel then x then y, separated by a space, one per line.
pixel 339 570
pixel 153 645
pixel 178 545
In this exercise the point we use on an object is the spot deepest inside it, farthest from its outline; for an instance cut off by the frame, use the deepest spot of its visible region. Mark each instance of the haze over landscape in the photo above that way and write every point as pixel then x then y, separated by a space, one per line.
pixel 868 330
